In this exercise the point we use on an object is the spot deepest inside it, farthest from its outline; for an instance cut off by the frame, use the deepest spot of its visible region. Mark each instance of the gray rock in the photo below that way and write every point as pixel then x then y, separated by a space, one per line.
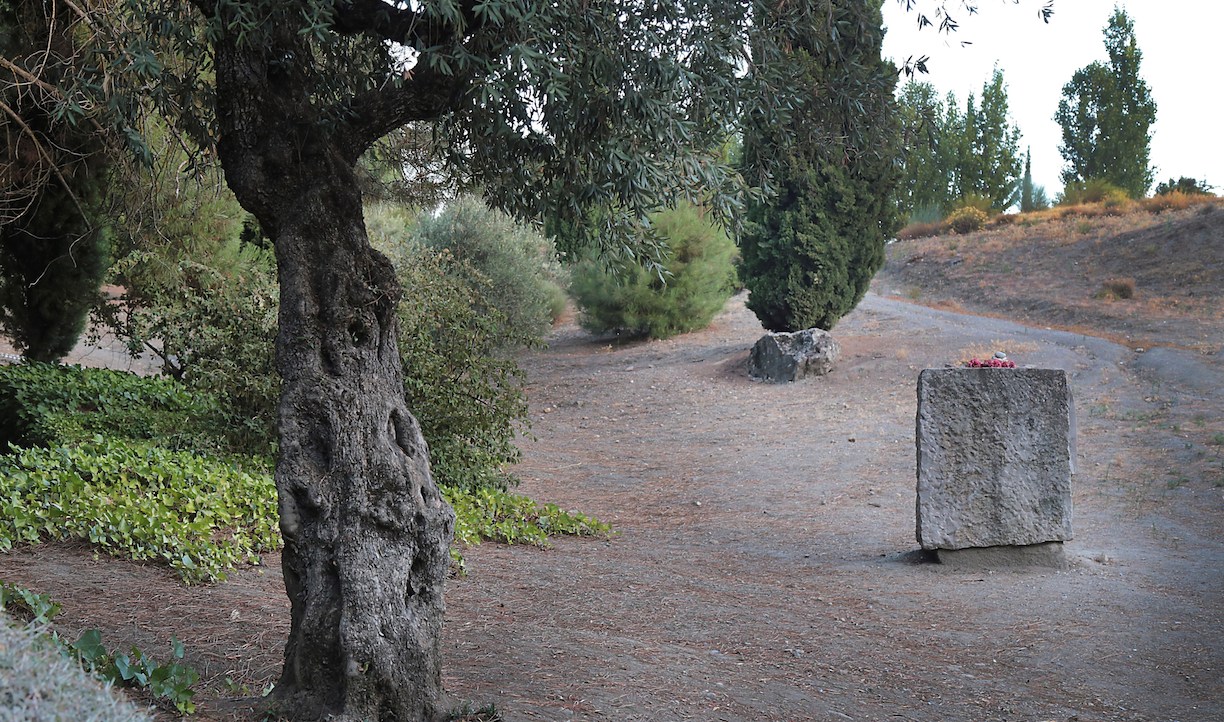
pixel 995 448
pixel 784 357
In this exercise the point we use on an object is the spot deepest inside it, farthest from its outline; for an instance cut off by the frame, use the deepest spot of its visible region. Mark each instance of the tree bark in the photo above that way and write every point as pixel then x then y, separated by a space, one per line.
pixel 366 530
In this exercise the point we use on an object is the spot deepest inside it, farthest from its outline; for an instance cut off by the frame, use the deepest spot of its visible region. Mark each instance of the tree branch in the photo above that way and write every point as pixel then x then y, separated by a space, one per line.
pixel 400 24
pixel 44 155
pixel 425 95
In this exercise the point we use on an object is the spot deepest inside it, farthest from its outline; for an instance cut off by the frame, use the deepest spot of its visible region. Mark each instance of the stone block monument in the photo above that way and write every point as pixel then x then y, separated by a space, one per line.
pixel 995 459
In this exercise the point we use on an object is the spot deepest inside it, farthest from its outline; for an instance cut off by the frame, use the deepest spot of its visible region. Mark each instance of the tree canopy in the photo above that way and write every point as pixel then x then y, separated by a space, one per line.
pixel 953 154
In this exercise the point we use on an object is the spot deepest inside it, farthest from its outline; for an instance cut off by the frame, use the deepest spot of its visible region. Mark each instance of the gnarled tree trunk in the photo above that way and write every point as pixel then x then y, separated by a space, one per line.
pixel 366 530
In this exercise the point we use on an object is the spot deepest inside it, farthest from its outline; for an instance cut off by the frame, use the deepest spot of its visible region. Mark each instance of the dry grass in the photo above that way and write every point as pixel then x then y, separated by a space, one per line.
pixel 1175 201
pixel 921 230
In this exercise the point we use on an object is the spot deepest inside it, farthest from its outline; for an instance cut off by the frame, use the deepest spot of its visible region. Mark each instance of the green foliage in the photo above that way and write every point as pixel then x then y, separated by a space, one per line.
pixel 391 226
pixel 45 405
pixel 926 214
pixel 172 681
pixel 967 219
pixel 924 188
pixel 973 200
pixel 950 154
pixel 516 265
pixel 459 382
pixel 498 515
pixel 696 280
pixel 41 682
pixel 1095 190
pixel 202 516
pixel 1189 186
pixel 809 252
pixel 1040 200
pixel 176 210
pixel 1106 114
pixel 990 166
pixel 1032 197
pixel 37 608
pixel 214 331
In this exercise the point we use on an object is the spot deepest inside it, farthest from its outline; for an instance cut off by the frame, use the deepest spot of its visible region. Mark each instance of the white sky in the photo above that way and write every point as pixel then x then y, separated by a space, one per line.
pixel 1179 39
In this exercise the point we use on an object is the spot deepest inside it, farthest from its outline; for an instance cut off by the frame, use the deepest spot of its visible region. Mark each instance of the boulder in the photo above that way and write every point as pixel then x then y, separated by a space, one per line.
pixel 783 357
pixel 995 449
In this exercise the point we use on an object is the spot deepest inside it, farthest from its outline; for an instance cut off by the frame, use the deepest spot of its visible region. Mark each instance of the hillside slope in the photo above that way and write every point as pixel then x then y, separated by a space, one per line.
pixel 1058 272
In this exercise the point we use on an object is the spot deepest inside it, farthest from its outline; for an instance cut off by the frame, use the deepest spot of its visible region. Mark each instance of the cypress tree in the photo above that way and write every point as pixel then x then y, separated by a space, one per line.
pixel 1026 183
pixel 52 256
pixel 809 253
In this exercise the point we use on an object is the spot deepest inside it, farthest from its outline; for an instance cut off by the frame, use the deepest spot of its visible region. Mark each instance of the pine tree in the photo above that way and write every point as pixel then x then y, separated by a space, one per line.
pixel 810 252
pixel 1106 114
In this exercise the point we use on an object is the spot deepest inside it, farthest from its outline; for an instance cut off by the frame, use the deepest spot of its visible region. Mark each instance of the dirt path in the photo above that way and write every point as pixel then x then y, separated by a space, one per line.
pixel 763 567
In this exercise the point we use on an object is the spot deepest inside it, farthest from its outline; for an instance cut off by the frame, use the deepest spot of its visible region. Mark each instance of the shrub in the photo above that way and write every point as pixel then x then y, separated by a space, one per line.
pixel 202 516
pixel 46 405
pixel 1116 204
pixel 925 215
pixel 973 200
pixel 464 389
pixel 41 683
pixel 1093 191
pixel 1186 186
pixel 967 219
pixel 696 279
pixel 523 276
pixel 1117 288
pixel 214 331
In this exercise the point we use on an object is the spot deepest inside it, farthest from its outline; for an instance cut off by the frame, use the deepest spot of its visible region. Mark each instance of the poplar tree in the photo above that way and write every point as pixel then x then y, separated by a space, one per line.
pixel 1106 115
pixel 923 188
pixel 992 161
